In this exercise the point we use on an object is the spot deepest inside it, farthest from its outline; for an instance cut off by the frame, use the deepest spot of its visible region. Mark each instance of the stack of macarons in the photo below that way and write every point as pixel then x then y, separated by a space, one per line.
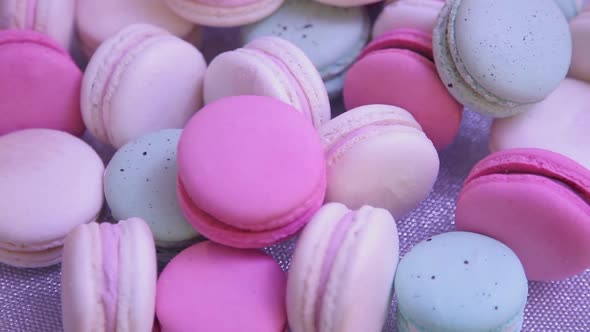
pixel 212 162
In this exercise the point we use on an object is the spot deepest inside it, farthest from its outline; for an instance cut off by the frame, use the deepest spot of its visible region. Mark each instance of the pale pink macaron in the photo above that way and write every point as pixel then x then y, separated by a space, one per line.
pixel 50 182
pixel 251 171
pixel 141 80
pixel 378 155
pixel 408 14
pixel 99 20
pixel 536 202
pixel 109 278
pixel 54 18
pixel 274 67
pixel 348 3
pixel 341 274
pixel 580 28
pixel 224 13
pixel 209 287
pixel 559 123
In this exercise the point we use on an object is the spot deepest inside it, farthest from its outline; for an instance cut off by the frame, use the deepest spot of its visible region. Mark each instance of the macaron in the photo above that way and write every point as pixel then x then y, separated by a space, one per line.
pixel 50 182
pixel 408 14
pixel 251 171
pixel 28 61
pixel 570 8
pixel 224 13
pixel 141 80
pixel 460 281
pixel 344 260
pixel 378 155
pixel 559 123
pixel 273 67
pixel 398 69
pixel 347 3
pixel 209 287
pixel 109 277
pixel 503 76
pixel 536 202
pixel 141 181
pixel 99 20
pixel 54 18
pixel 580 28
pixel 311 26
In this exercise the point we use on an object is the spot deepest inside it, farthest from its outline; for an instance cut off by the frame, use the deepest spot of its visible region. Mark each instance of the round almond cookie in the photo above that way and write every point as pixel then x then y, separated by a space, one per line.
pixel 50 182
pixel 408 14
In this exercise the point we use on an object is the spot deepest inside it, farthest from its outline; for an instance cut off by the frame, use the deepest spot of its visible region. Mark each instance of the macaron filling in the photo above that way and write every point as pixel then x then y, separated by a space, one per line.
pixel 31 14
pixel 336 240
pixel 109 292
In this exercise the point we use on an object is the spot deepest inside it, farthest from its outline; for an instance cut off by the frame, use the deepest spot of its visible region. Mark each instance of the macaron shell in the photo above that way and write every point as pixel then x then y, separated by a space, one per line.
pixel 27 60
pixel 528 65
pixel 71 172
pixel 99 20
pixel 408 14
pixel 224 13
pixel 347 3
pixel 580 28
pixel 565 114
pixel 141 181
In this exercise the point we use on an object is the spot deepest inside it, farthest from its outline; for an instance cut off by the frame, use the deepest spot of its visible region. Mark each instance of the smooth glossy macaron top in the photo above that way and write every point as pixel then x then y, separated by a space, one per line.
pixel 28 61
pixel 109 277
pixel 50 182
pixel 99 20
pixel 141 80
pixel 209 287
pixel 378 155
pixel 397 69
pixel 460 281
pixel 141 181
pixel 580 28
pixel 536 202
pixel 344 261
pixel 559 123
pixel 54 18
pixel 498 57
pixel 408 14
pixel 270 66
pixel 312 26
pixel 251 171
pixel 223 13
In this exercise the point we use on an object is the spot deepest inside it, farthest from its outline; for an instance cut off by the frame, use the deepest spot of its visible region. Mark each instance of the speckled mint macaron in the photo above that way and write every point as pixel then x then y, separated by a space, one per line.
pixel 460 281
pixel 141 180
pixel 332 37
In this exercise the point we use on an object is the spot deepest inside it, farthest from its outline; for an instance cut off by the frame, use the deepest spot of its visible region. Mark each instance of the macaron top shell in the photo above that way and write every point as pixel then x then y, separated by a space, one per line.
pixel 141 181
pixel 461 281
pixel 565 114
pixel 251 160
pixel 65 192
pixel 206 282
pixel 408 14
pixel 526 63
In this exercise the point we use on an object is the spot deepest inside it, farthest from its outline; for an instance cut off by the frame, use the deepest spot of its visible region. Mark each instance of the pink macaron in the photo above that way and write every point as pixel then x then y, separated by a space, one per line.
pixel 398 69
pixel 50 182
pixel 341 275
pixel 141 80
pixel 536 202
pixel 408 14
pixel 109 278
pixel 224 13
pixel 378 155
pixel 580 28
pixel 39 84
pixel 348 3
pixel 274 67
pixel 99 20
pixel 54 18
pixel 251 171
pixel 209 287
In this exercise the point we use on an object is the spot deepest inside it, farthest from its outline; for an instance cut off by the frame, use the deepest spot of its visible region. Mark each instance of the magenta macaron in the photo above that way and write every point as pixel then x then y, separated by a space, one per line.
pixel 39 84
pixel 536 202
pixel 398 69
pixel 251 171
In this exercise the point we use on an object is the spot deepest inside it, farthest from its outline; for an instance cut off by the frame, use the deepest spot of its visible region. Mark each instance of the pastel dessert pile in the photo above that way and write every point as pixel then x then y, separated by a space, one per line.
pixel 161 174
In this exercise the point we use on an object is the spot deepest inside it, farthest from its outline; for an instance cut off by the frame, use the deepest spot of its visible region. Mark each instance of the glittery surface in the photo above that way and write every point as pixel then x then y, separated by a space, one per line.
pixel 30 298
